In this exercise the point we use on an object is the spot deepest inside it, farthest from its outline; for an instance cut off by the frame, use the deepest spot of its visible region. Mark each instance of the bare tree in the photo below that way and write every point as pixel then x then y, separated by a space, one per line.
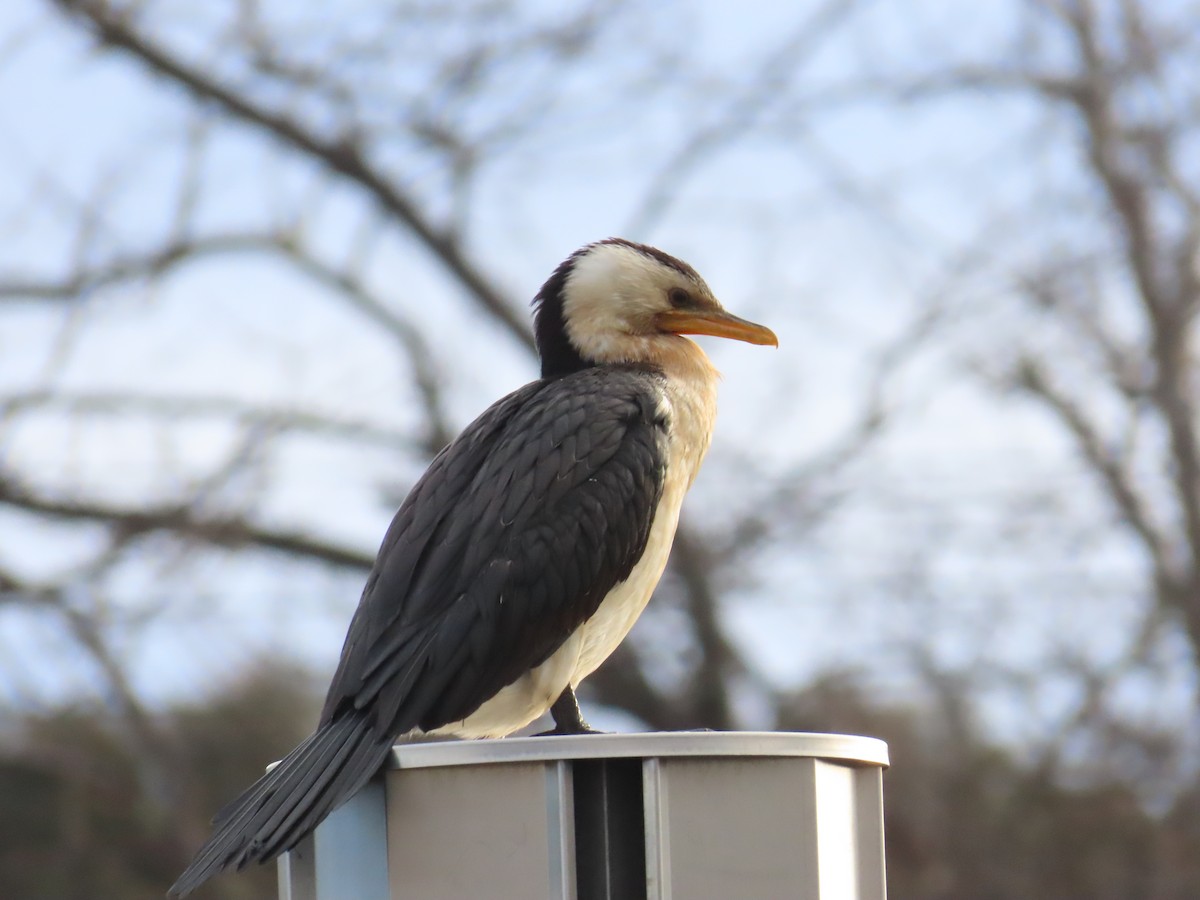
pixel 370 143
pixel 376 172
pixel 1104 278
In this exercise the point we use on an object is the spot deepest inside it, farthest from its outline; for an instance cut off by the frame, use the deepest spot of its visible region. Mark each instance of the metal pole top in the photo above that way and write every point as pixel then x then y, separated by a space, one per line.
pixel 844 748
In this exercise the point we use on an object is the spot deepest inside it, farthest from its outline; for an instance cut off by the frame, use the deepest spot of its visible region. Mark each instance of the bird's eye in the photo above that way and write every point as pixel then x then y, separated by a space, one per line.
pixel 678 297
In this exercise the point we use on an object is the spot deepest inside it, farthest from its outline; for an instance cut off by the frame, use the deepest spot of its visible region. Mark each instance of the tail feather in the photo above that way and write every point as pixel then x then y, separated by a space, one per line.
pixel 283 775
pixel 291 821
pixel 287 803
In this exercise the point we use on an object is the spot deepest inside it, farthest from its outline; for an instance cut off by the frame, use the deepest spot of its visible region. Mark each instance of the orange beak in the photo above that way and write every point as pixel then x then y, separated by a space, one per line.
pixel 717 323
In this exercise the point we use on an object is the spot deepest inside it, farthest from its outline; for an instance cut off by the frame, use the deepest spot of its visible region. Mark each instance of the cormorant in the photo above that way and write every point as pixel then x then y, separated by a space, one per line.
pixel 527 550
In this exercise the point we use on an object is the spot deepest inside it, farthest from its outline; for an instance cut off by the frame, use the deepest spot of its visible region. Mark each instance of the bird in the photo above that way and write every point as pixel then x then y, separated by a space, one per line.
pixel 524 554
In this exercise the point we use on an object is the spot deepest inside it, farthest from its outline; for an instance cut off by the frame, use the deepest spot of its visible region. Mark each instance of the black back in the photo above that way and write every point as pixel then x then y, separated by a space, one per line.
pixel 508 543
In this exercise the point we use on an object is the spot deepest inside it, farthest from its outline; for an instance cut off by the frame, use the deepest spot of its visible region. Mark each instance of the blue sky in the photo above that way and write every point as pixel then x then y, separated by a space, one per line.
pixel 771 223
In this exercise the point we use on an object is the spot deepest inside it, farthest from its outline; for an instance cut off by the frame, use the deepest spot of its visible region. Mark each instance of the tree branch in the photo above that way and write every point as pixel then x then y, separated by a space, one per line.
pixel 130 267
pixel 115 28
pixel 168 408
pixel 739 114
pixel 1119 485
pixel 222 531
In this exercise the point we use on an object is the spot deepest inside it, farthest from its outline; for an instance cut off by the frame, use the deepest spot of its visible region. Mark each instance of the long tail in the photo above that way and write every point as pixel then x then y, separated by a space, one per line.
pixel 288 802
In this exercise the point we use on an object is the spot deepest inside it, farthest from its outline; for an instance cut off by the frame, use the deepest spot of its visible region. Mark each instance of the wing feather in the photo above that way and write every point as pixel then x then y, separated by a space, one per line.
pixel 508 543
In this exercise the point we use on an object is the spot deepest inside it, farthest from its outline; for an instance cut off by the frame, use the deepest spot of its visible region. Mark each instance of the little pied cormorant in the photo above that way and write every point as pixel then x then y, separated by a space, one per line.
pixel 525 553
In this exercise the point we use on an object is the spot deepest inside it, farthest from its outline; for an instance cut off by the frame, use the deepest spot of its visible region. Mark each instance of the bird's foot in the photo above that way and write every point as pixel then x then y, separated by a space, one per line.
pixel 563 730
pixel 567 717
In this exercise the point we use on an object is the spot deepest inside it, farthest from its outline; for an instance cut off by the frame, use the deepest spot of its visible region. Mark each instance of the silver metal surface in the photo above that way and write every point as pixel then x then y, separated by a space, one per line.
pixel 660 816
pixel 560 829
pixel 456 833
pixel 837 844
pixel 868 833
pixel 661 744
pixel 345 857
pixel 351 847
pixel 296 873
pixel 741 828
pixel 658 831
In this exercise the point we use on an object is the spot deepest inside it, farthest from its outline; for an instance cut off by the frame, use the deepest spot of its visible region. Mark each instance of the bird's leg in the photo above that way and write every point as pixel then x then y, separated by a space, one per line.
pixel 567 717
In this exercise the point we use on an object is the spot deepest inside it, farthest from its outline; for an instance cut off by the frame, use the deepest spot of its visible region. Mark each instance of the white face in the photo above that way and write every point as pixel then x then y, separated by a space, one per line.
pixel 611 297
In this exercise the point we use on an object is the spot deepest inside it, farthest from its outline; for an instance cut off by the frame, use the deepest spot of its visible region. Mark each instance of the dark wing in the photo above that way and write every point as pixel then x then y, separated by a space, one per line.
pixel 504 547
pixel 508 542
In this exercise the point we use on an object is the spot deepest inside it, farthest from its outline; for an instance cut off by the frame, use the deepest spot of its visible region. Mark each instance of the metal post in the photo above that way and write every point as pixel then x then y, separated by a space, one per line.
pixel 674 816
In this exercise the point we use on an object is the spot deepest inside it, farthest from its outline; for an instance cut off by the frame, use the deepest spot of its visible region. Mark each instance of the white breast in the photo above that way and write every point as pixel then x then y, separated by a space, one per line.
pixel 625 602
pixel 691 402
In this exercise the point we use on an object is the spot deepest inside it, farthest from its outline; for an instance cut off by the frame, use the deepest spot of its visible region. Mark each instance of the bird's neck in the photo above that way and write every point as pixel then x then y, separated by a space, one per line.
pixel 692 392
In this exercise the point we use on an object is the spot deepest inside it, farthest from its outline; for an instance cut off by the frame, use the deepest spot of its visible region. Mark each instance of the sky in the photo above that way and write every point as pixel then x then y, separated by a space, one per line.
pixel 835 230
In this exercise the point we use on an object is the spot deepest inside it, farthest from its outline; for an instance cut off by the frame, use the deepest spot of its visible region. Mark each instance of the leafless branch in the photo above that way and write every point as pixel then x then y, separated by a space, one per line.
pixel 767 86
pixel 1031 377
pixel 181 520
pixel 354 291
pixel 115 26
pixel 87 279
pixel 168 408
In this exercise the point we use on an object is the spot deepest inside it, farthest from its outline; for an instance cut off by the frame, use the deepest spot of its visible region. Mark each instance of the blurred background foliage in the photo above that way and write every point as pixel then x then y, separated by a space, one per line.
pixel 261 260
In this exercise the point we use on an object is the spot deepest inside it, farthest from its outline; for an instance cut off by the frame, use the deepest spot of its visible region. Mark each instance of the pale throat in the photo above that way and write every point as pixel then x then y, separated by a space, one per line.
pixel 692 394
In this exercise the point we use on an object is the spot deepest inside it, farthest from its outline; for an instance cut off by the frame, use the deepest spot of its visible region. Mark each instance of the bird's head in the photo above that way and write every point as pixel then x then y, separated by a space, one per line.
pixel 616 301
